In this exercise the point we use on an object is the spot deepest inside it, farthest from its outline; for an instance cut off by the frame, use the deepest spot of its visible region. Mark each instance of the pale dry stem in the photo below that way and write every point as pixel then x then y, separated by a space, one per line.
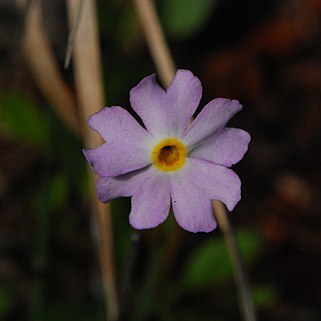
pixel 90 96
pixel 90 92
pixel 242 286
pixel 155 40
pixel 45 71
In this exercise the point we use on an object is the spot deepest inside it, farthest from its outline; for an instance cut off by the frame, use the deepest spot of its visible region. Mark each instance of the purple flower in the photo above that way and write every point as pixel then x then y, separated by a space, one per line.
pixel 169 162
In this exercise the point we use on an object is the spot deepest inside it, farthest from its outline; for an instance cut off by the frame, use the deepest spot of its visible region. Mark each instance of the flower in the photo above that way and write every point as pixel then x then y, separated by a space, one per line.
pixel 169 162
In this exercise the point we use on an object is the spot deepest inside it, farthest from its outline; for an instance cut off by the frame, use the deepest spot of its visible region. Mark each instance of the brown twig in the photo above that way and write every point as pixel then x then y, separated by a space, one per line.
pixel 89 86
pixel 44 68
pixel 165 65
pixel 72 34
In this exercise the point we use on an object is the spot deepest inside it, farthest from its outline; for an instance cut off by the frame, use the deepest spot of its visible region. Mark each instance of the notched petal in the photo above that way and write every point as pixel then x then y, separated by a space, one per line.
pixel 151 202
pixel 191 206
pixel 183 97
pixel 128 144
pixel 226 148
pixel 110 159
pixel 212 118
pixel 116 124
pixel 109 188
pixel 148 100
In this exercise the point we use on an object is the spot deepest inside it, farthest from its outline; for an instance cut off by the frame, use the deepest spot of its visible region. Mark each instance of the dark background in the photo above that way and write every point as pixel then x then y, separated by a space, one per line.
pixel 266 54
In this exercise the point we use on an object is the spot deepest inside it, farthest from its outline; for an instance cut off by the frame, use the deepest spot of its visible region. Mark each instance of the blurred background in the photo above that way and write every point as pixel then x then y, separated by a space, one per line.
pixel 266 54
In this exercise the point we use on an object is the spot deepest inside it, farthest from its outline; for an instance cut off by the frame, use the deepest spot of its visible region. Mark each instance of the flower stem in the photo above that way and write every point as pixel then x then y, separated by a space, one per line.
pixel 165 66
pixel 242 285
pixel 156 41
pixel 90 93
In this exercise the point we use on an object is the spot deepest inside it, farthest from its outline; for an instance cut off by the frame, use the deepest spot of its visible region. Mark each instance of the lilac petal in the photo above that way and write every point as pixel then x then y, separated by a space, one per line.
pixel 226 148
pixel 116 124
pixel 109 188
pixel 151 203
pixel 192 209
pixel 184 94
pixel 148 100
pixel 193 188
pixel 150 195
pixel 128 144
pixel 166 114
pixel 212 118
pixel 111 159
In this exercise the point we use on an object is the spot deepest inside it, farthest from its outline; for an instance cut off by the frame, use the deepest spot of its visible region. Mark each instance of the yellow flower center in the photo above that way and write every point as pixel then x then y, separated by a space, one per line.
pixel 169 154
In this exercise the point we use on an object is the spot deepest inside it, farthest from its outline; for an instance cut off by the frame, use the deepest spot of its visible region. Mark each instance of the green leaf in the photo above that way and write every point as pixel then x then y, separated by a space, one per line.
pixel 264 296
pixel 183 18
pixel 210 263
pixel 21 119
pixel 6 301
pixel 58 191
